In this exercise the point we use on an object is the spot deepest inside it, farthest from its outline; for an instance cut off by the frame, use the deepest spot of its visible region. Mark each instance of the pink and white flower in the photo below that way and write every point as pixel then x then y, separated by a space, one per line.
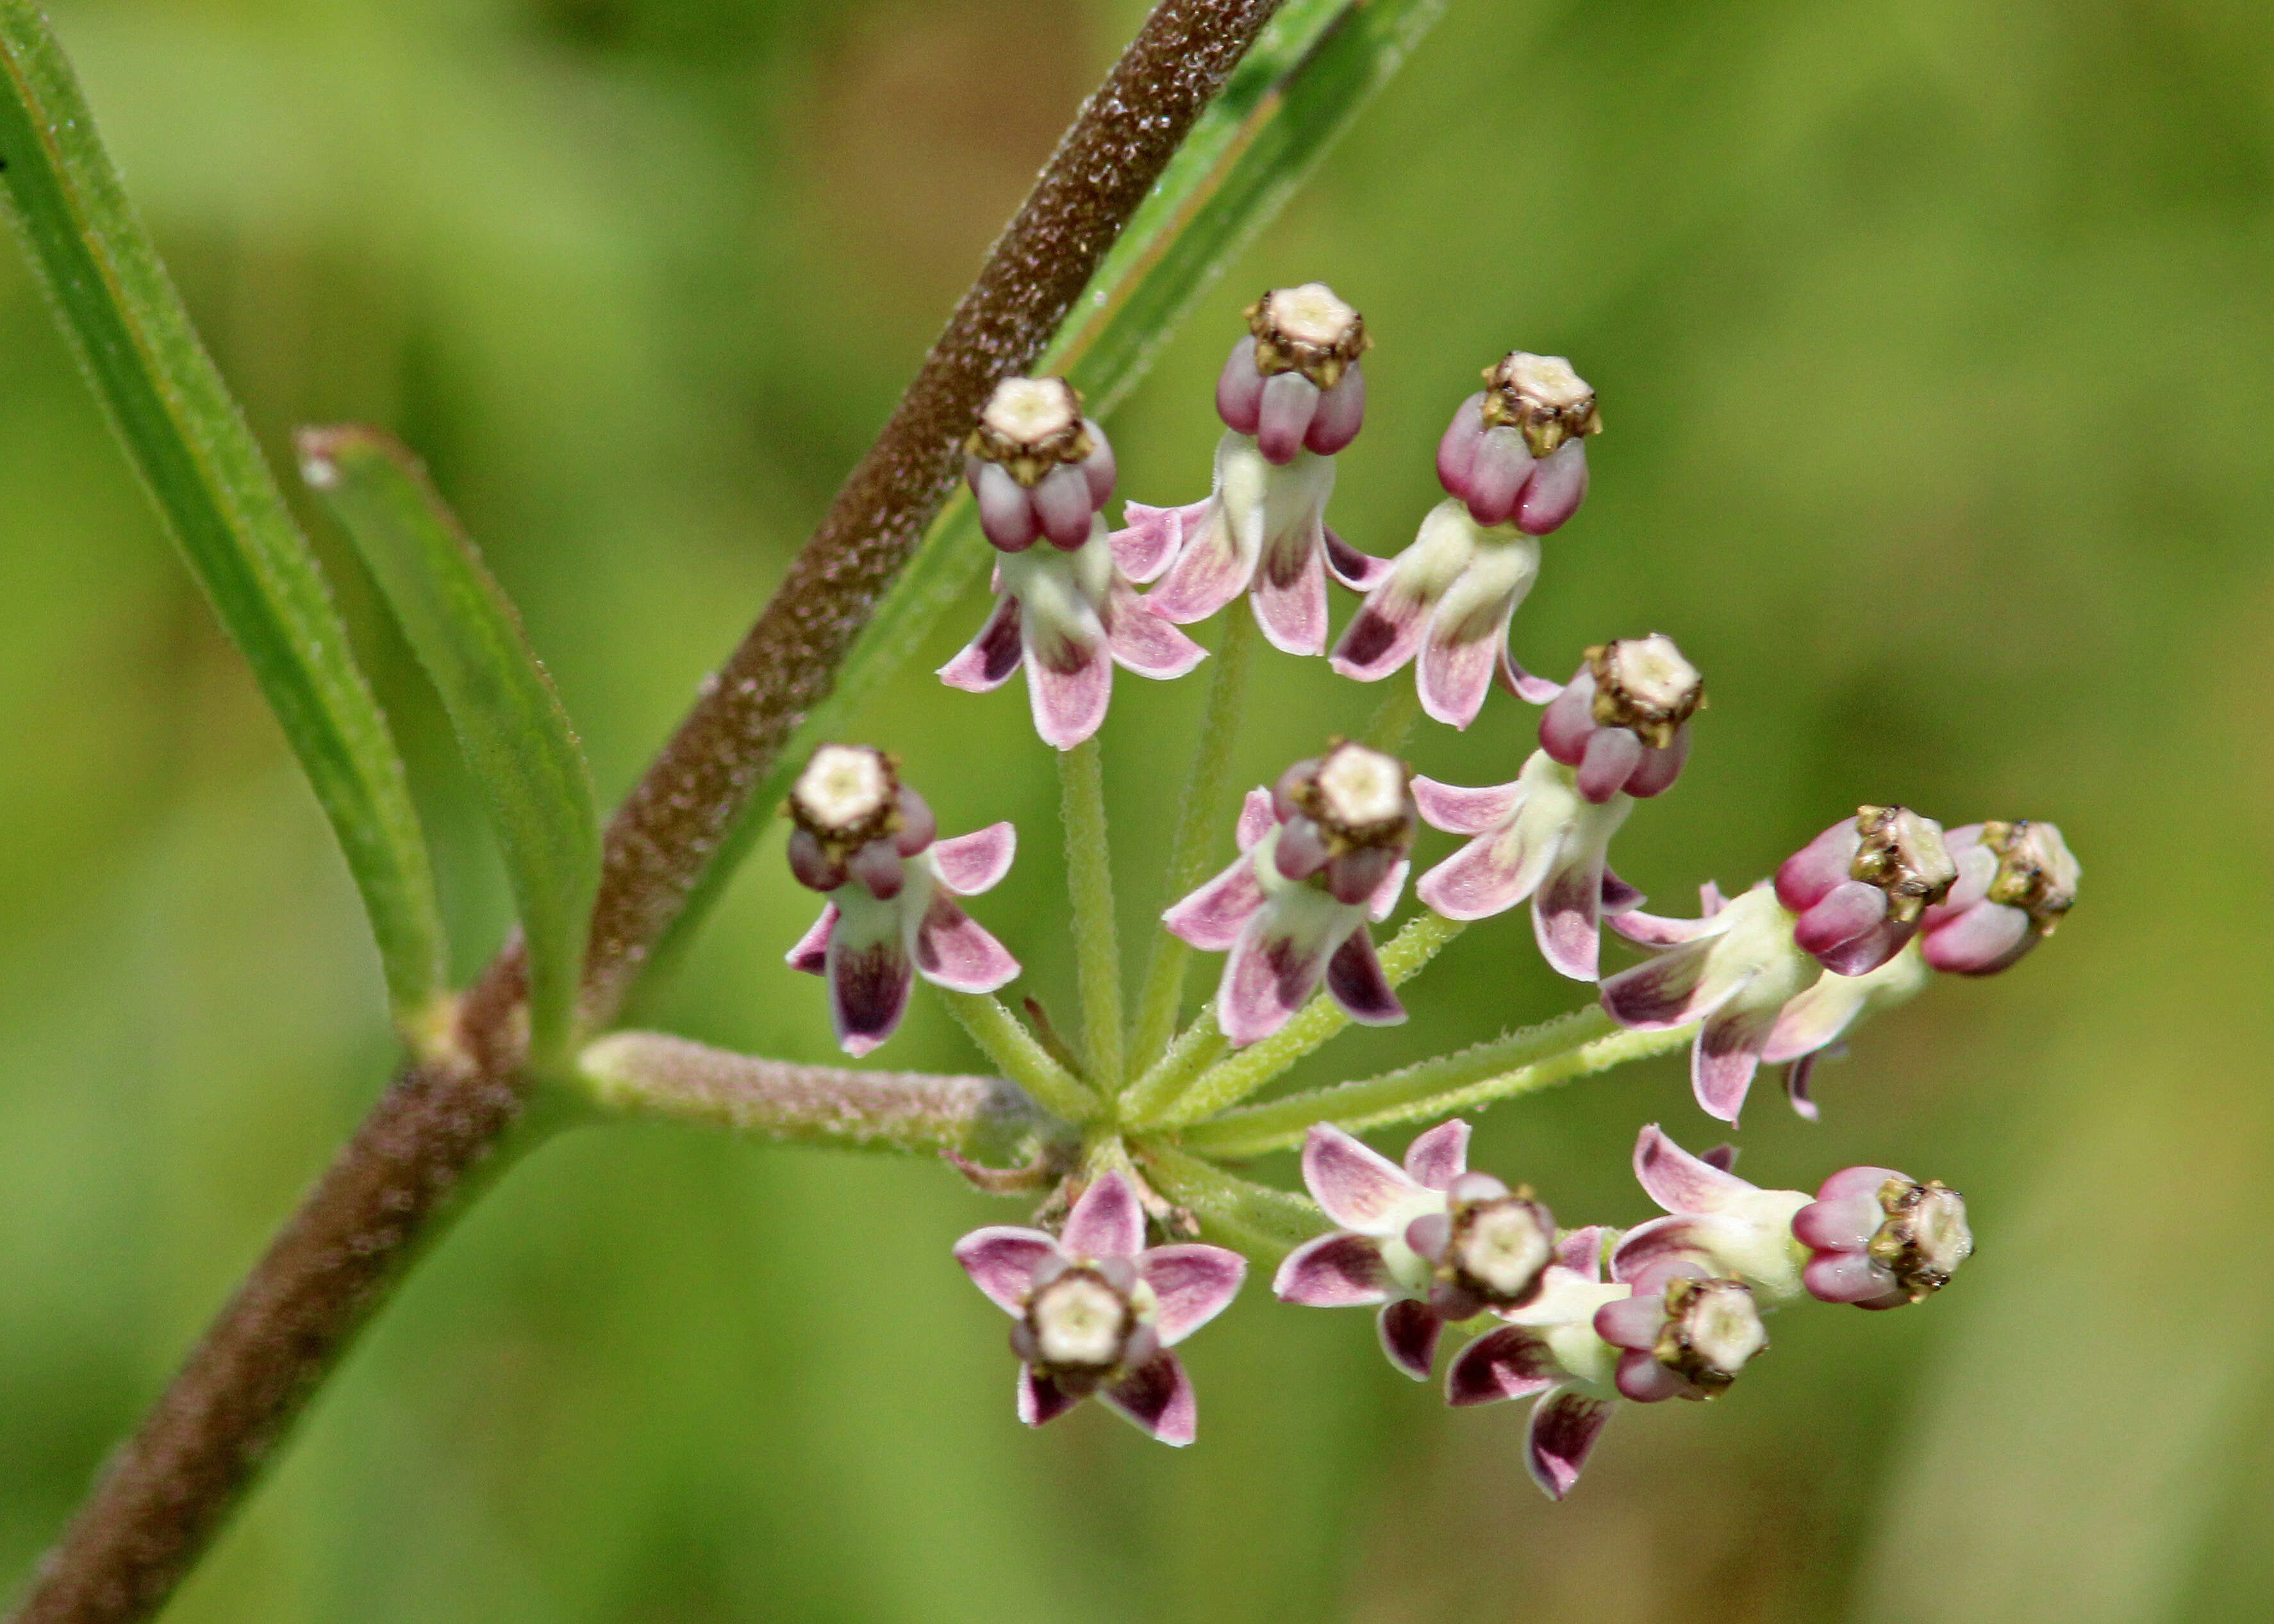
pixel 2015 882
pixel 1068 611
pixel 1515 451
pixel 1860 889
pixel 1290 395
pixel 868 843
pixel 1716 1221
pixel 1881 1239
pixel 1429 1242
pixel 1097 1311
pixel 1323 855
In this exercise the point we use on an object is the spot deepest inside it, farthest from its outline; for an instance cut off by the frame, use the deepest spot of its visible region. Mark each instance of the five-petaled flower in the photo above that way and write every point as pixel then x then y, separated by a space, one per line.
pixel 867 842
pixel 1097 1311
pixel 1431 1243
pixel 1067 609
pixel 1291 395
pixel 1322 855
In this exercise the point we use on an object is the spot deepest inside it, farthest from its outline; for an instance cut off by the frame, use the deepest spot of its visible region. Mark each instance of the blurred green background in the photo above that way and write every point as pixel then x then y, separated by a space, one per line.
pixel 1937 361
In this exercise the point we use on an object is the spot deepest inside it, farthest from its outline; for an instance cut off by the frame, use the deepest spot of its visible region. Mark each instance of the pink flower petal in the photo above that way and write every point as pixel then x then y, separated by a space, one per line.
pixel 1212 917
pixel 1385 895
pixel 1456 673
pixel 954 950
pixel 1208 572
pixel 1582 1251
pixel 1688 1238
pixel 1069 704
pixel 1670 990
pixel 1409 1336
pixel 1530 689
pixel 1491 874
pixel 1256 817
pixel 1680 1182
pixel 1354 1184
pixel 1355 978
pixel 1508 1363
pixel 1143 642
pixel 1459 811
pixel 1558 485
pixel 970 864
pixel 1156 1397
pixel 1153 538
pixel 1440 1156
pixel 1567 909
pixel 811 953
pixel 1040 1399
pixel 1564 1427
pixel 1724 1057
pixel 1341 1270
pixel 1000 1260
pixel 1109 1220
pixel 1193 1284
pixel 1273 969
pixel 1618 896
pixel 869 987
pixel 1661 930
pixel 1361 572
pixel 1290 592
pixel 988 661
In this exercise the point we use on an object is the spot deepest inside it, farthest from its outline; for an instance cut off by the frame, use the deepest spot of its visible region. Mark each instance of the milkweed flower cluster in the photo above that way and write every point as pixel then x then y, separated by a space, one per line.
pixel 1128 1126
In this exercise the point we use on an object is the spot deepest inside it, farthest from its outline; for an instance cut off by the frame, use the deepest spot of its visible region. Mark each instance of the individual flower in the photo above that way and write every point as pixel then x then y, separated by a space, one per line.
pixel 1684 1334
pixel 1536 837
pixel 1623 722
pixel 1880 1239
pixel 1861 888
pixel 1291 396
pixel 1429 1242
pixel 1097 1311
pixel 2015 881
pixel 1516 452
pixel 1549 1350
pixel 1813 1024
pixel 1322 855
pixel 1735 969
pixel 867 841
pixel 1716 1221
pixel 1068 610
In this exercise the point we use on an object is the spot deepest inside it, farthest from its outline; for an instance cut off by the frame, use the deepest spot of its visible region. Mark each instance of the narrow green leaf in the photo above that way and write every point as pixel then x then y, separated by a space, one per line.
pixel 509 723
pixel 187 440
pixel 1301 85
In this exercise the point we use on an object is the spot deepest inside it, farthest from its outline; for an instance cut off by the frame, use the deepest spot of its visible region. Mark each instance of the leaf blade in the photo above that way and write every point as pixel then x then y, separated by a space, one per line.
pixel 511 725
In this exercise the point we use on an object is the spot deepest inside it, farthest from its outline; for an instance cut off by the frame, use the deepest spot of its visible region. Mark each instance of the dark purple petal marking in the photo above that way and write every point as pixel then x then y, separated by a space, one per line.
pixel 1566 911
pixel 1355 978
pixel 811 953
pixel 1724 1057
pixel 988 661
pixel 1511 1362
pixel 1157 1397
pixel 1361 572
pixel 1564 1428
pixel 1409 1336
pixel 868 992
pixel 1341 1270
pixel 1669 990
pixel 1041 1399
pixel 1680 1182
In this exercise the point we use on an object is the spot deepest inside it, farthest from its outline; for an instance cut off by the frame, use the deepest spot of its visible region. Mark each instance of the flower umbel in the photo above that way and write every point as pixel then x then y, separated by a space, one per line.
pixel 1097 1311
pixel 1430 1241
pixel 1322 855
pixel 867 842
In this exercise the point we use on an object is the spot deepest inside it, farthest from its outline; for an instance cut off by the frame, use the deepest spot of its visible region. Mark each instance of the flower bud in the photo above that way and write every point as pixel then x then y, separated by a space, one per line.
pixel 1879 1238
pixel 1036 466
pixel 1294 383
pixel 1623 721
pixel 1516 452
pixel 1861 888
pixel 2015 881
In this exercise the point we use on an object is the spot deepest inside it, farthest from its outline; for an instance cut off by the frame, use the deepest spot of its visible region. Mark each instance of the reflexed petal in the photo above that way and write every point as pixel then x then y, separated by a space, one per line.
pixel 1564 1428
pixel 1670 990
pixel 1070 704
pixel 1618 896
pixel 1508 1363
pixel 1845 1277
pixel 1796 1086
pixel 1354 977
pixel 1816 1018
pixel 1566 910
pixel 1153 539
pixel 1157 1397
pixel 1456 673
pixel 1530 689
pixel 1109 1220
pixel 1492 873
pixel 954 950
pixel 1256 817
pixel 1192 1284
pixel 1558 485
pixel 1341 1270
pixel 1459 811
pixel 1440 1156
pixel 1680 1182
pixel 1041 1399
pixel 1686 1238
pixel 1212 917
pixel 811 953
pixel 1361 572
pixel 1143 642
pixel 1290 590
pixel 1661 930
pixel 1381 636
pixel 1409 1336
pixel 1582 1251
pixel 1208 573
pixel 970 864
pixel 989 659
pixel 1723 1060
pixel 1386 894
pixel 1274 968
pixel 1354 1184
pixel 1000 1260
pixel 869 987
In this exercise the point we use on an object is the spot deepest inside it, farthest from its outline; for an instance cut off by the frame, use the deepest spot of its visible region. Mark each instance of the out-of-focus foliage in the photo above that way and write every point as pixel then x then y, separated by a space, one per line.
pixel 1938 372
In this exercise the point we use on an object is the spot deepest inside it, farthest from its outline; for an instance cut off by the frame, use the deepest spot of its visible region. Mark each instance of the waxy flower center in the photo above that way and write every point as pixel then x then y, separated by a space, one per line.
pixel 1925 1236
pixel 848 795
pixel 1540 396
pixel 2035 871
pixel 1080 1322
pixel 1030 425
pixel 1499 1249
pixel 1903 855
pixel 1309 330
pixel 1357 797
pixel 1713 1328
pixel 1646 685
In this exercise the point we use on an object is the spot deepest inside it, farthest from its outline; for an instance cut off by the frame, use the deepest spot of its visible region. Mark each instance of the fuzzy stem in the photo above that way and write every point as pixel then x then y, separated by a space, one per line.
pixel 1188 857
pixel 1005 1039
pixel 1266 1221
pixel 1230 1081
pixel 1089 885
pixel 1572 1046
pixel 653 1074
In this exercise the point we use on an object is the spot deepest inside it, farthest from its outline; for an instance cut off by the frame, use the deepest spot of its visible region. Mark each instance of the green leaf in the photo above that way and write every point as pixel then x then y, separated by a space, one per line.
pixel 188 441
pixel 1300 86
pixel 509 723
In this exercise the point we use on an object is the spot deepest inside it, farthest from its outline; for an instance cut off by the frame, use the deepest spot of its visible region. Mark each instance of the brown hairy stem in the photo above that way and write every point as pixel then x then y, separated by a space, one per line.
pixel 170 1487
